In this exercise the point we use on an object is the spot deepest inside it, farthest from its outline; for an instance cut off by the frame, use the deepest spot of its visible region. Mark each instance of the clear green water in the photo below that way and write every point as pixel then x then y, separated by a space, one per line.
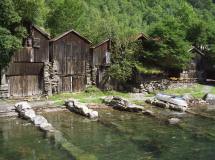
pixel 117 136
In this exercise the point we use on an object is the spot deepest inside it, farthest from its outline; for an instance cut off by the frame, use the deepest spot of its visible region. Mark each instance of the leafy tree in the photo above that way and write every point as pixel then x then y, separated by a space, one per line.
pixel 31 11
pixel 10 31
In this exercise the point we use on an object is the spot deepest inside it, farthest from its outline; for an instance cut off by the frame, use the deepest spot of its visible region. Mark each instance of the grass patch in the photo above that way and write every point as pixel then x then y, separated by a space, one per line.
pixel 147 70
pixel 197 91
pixel 90 95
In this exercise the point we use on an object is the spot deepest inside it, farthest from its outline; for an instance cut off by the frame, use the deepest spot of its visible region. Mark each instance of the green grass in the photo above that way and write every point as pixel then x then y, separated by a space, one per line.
pixel 95 95
pixel 147 70
pixel 90 95
pixel 197 91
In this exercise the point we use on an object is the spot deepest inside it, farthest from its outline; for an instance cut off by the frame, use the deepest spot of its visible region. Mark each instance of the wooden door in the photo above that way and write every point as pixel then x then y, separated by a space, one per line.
pixel 21 86
pixel 67 84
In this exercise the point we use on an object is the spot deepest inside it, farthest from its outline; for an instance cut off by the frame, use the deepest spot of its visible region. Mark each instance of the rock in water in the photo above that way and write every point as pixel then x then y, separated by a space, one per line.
pixel 168 101
pixel 28 114
pixel 173 121
pixel 209 98
pixel 38 120
pixel 81 109
pixel 25 111
pixel 188 98
pixel 123 105
pixel 149 113
pixel 21 106
pixel 47 127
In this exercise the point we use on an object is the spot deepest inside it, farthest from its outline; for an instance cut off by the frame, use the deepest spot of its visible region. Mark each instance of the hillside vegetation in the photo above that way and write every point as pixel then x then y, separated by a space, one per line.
pixel 177 24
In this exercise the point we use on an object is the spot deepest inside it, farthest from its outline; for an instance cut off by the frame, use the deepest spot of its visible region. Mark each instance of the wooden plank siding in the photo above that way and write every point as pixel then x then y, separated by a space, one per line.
pixel 70 52
pixel 18 69
pixel 25 71
pixel 100 57
pixel 21 86
pixel 100 54
pixel 33 54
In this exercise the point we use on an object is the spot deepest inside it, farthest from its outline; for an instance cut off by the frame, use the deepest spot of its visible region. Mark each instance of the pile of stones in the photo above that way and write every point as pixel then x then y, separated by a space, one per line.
pixel 26 112
pixel 81 109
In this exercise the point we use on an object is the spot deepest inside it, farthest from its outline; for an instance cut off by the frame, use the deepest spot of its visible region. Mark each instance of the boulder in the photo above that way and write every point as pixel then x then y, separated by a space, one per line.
pixel 81 109
pixel 173 121
pixel 107 99
pixel 46 127
pixel 188 98
pixel 148 113
pixel 177 108
pixel 168 101
pixel 25 111
pixel 94 114
pixel 209 98
pixel 28 114
pixel 22 106
pixel 38 120
pixel 123 105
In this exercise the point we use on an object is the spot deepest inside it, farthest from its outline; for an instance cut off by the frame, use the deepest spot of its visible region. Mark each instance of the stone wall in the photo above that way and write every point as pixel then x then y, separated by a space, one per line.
pixel 4 88
pixel 150 86
pixel 47 79
pixel 4 91
pixel 54 77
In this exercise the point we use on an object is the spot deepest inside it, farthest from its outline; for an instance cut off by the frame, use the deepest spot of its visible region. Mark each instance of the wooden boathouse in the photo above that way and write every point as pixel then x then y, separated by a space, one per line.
pixel 24 75
pixel 69 54
pixel 195 70
pixel 100 61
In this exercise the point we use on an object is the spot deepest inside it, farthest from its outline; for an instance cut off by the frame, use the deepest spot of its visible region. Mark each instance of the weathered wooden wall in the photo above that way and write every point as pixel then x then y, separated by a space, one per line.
pixel 25 71
pixel 100 54
pixel 33 54
pixel 70 53
pixel 27 85
pixel 195 68
pixel 100 57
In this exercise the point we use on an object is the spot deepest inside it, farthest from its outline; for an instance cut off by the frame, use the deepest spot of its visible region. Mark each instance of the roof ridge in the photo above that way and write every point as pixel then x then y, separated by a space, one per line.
pixel 41 30
pixel 99 44
pixel 67 32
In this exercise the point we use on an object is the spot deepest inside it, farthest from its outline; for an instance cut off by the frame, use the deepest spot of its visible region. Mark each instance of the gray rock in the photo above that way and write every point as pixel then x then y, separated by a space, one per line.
pixel 81 109
pixel 177 108
pixel 209 98
pixel 38 120
pixel 47 127
pixel 22 106
pixel 25 111
pixel 150 90
pixel 148 113
pixel 28 114
pixel 173 121
pixel 188 98
pixel 123 105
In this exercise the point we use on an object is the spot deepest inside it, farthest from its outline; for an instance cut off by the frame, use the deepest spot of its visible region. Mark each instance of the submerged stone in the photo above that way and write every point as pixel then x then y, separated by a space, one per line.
pixel 123 105
pixel 173 121
pixel 168 101
pixel 81 109
pixel 38 120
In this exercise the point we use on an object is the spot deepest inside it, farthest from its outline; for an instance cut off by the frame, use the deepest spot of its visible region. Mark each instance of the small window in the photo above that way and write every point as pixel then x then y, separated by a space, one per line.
pixel 36 43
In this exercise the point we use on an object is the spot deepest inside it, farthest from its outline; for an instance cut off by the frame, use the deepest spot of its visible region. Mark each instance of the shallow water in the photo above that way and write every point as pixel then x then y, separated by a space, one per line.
pixel 116 136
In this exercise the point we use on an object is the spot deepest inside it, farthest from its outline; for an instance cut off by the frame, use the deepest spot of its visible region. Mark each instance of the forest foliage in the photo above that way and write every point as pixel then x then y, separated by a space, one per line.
pixel 177 24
